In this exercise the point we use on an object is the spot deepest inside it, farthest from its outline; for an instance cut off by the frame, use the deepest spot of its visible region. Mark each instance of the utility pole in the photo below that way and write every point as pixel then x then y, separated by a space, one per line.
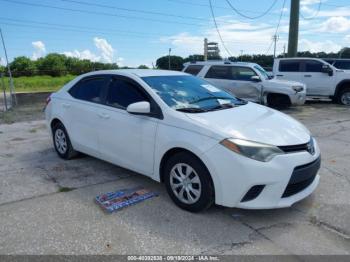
pixel 4 90
pixel 284 50
pixel 275 38
pixel 12 93
pixel 293 28
pixel 169 58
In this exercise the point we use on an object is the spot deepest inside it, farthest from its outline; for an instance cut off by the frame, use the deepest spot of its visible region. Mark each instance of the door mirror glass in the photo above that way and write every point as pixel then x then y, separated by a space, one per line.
pixel 255 79
pixel 139 108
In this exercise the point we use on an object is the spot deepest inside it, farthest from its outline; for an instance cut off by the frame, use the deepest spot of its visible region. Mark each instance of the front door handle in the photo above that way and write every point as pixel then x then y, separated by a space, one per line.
pixel 104 115
pixel 65 105
pixel 307 75
pixel 279 75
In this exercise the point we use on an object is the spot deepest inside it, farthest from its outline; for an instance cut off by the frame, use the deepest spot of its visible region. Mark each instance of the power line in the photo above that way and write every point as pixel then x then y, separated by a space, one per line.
pixel 252 17
pixel 218 31
pixel 214 6
pixel 133 10
pixel 278 25
pixel 316 13
pixel 98 13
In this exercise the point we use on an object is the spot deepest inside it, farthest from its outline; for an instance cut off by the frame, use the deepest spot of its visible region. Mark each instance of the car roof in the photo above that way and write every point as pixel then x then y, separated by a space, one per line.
pixel 137 72
pixel 220 62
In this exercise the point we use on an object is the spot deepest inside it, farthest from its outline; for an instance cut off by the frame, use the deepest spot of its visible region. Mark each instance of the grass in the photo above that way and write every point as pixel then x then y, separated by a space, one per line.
pixel 38 83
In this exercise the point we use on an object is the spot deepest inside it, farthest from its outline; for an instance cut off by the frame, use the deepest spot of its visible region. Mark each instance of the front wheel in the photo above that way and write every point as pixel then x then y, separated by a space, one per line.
pixel 344 96
pixel 188 182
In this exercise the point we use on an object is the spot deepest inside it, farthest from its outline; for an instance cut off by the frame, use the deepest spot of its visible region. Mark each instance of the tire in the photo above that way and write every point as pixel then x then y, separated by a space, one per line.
pixel 344 96
pixel 194 194
pixel 278 101
pixel 62 143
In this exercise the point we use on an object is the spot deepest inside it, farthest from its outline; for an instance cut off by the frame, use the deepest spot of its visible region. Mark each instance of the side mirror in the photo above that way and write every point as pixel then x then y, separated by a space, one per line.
pixel 255 79
pixel 327 69
pixel 139 108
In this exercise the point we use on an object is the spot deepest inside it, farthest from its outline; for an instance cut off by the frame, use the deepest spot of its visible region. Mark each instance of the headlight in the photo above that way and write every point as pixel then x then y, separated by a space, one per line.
pixel 254 150
pixel 297 88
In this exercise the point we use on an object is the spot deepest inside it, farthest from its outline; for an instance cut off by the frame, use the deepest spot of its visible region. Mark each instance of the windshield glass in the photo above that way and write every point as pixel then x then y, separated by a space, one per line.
pixel 262 71
pixel 191 94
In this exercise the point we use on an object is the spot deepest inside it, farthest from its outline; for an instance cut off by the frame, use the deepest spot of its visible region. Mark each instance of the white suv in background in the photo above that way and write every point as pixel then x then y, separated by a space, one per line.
pixel 322 79
pixel 249 81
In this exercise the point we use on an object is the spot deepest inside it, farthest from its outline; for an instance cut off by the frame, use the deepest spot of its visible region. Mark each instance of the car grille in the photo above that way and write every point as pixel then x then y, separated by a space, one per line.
pixel 302 177
pixel 309 147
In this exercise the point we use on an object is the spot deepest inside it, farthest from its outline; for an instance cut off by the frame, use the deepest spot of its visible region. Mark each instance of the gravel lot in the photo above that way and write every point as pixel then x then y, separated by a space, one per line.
pixel 47 207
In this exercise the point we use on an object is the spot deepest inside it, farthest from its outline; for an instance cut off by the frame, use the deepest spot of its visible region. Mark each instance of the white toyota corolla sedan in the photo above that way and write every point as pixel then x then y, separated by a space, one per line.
pixel 206 145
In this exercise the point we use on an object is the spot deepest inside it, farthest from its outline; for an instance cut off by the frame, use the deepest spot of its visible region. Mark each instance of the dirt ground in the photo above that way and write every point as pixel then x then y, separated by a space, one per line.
pixel 47 204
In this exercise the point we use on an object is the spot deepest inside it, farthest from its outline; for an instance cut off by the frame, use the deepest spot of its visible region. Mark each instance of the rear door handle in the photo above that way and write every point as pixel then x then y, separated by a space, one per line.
pixel 307 75
pixel 65 105
pixel 279 75
pixel 104 115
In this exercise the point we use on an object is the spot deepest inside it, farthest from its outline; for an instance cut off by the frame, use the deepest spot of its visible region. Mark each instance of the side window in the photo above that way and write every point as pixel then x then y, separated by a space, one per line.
pixel 89 89
pixel 242 73
pixel 313 66
pixel 122 93
pixel 289 66
pixel 342 65
pixel 193 69
pixel 218 72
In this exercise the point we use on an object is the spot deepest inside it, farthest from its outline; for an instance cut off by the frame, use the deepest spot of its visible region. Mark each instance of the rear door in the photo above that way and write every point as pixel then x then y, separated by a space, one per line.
pixel 125 139
pixel 290 70
pixel 81 113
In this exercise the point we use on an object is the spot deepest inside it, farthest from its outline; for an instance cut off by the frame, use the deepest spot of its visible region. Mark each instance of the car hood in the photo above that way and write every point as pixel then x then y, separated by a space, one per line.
pixel 281 83
pixel 254 122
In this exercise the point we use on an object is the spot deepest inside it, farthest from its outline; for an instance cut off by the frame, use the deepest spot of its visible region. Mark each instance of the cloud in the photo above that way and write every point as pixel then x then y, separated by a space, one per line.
pixel 107 51
pixel 335 25
pixel 237 35
pixel 318 46
pixel 39 49
pixel 85 54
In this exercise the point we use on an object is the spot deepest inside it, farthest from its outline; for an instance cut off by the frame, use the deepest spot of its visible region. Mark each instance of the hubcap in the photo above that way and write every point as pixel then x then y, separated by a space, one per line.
pixel 185 183
pixel 60 141
pixel 345 98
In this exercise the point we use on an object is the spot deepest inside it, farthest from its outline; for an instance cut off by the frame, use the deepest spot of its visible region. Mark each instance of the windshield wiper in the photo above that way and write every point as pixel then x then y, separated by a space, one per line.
pixel 223 106
pixel 211 97
pixel 191 110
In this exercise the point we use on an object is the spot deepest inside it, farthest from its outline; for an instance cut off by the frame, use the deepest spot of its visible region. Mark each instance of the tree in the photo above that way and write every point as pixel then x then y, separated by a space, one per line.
pixel 143 67
pixel 52 64
pixel 193 58
pixel 344 52
pixel 22 66
pixel 176 62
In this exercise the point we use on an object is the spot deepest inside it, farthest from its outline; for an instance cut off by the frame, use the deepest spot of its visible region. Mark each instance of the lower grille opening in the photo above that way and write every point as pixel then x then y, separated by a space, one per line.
pixel 253 193
pixel 302 177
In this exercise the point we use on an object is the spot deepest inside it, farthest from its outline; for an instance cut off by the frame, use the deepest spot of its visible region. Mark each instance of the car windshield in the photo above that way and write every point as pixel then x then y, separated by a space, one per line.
pixel 262 71
pixel 191 94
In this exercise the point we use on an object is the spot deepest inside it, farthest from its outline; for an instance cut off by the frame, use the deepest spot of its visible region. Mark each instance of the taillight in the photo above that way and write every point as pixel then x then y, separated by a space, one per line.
pixel 48 100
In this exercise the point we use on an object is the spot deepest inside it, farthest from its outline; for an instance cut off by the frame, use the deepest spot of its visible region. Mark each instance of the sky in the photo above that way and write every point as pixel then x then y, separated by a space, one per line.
pixel 135 32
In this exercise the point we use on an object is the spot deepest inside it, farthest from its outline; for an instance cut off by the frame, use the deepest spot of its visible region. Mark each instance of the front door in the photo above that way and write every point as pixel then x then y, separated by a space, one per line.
pixel 125 139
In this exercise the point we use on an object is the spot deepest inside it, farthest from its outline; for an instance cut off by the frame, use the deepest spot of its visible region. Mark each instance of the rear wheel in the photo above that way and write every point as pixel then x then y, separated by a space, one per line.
pixel 62 142
pixel 344 96
pixel 188 182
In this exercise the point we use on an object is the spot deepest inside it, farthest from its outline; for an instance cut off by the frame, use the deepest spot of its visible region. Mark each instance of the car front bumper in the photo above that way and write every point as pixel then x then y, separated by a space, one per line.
pixel 235 175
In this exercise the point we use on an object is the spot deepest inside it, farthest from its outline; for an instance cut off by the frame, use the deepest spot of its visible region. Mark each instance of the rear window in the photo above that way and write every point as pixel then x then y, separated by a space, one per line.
pixel 289 66
pixel 219 72
pixel 193 69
